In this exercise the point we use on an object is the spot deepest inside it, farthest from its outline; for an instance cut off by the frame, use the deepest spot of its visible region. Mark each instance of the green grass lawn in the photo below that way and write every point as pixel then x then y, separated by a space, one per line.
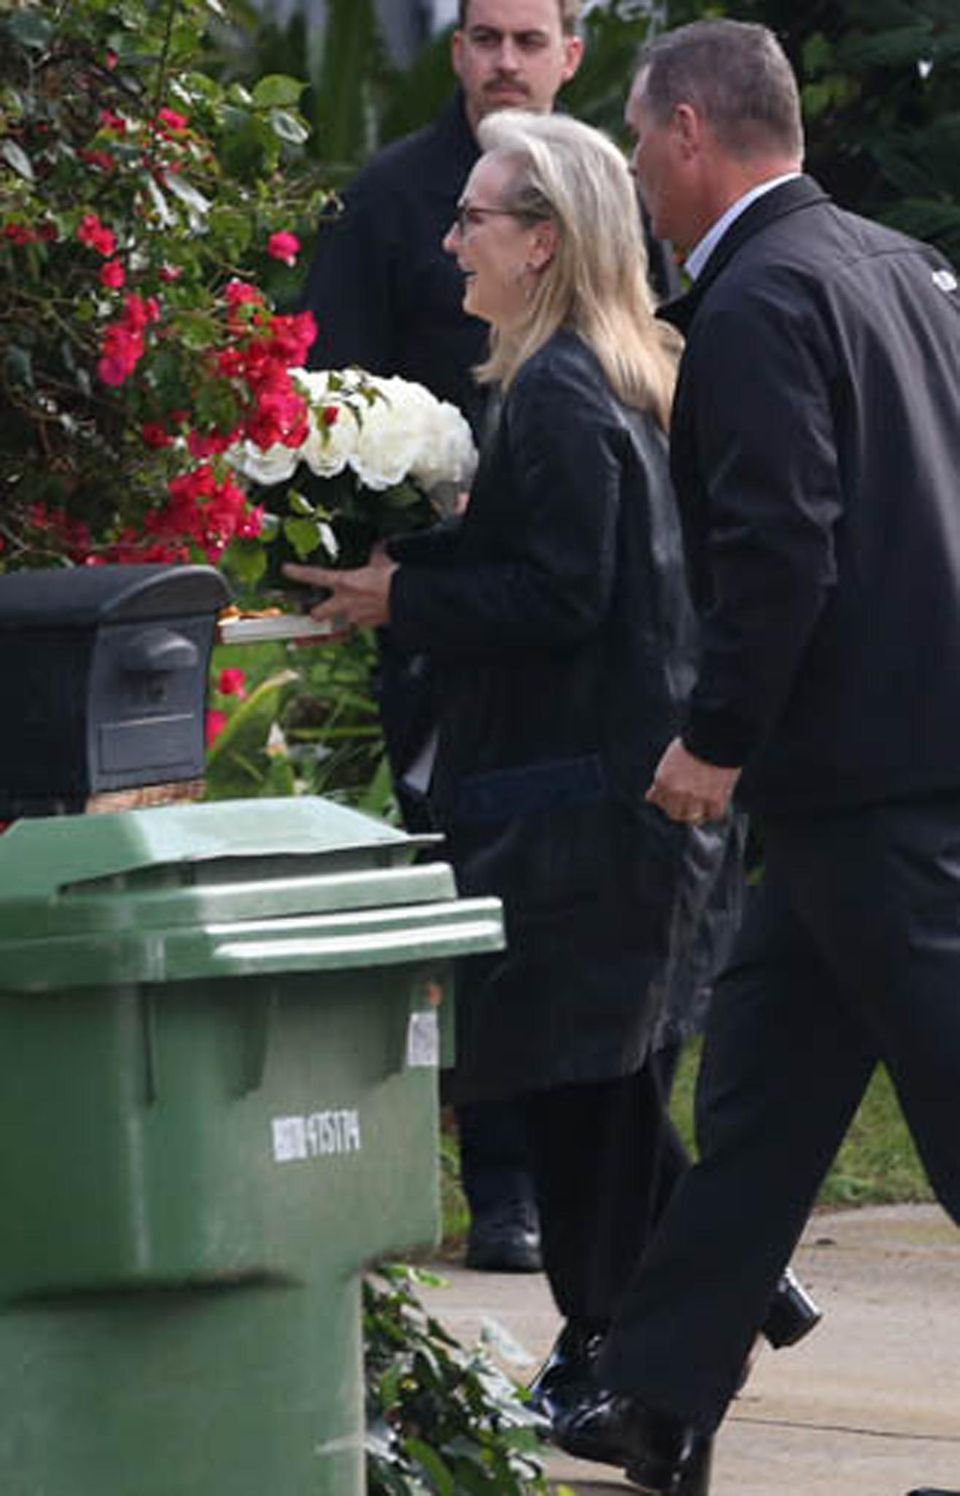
pixel 877 1164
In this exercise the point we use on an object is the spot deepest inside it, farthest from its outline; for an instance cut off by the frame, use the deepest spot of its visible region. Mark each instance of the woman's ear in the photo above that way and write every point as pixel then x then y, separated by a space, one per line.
pixel 543 244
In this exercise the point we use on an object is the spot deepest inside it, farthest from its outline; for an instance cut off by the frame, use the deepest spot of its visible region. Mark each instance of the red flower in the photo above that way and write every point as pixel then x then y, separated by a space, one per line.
pixel 331 415
pixel 112 275
pixel 112 122
pixel 216 722
pixel 103 159
pixel 232 682
pixel 172 119
pixel 170 273
pixel 155 435
pixel 123 342
pixel 210 443
pixel 93 233
pixel 284 246
pixel 20 233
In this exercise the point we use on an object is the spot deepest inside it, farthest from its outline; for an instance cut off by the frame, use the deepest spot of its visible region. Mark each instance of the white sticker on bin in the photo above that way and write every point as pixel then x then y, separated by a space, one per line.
pixel 423 1040
pixel 316 1135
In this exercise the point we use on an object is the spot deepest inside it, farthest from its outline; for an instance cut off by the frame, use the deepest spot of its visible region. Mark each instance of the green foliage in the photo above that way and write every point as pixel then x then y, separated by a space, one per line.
pixel 877 1164
pixel 881 94
pixel 441 1420
pixel 598 93
pixel 307 723
pixel 240 763
pixel 108 129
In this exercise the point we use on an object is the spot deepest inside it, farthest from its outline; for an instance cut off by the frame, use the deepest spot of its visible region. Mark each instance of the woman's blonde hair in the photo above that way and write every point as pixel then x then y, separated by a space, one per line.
pixel 596 283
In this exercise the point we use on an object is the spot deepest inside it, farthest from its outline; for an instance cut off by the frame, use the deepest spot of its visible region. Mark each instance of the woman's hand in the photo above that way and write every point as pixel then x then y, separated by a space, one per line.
pixel 358 599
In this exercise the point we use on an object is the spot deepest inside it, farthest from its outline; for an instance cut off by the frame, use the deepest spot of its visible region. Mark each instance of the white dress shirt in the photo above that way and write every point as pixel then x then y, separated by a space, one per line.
pixel 704 248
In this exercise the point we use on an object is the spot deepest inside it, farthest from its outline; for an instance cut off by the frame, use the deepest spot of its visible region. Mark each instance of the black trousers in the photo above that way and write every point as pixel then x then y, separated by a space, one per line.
pixel 606 1158
pixel 849 956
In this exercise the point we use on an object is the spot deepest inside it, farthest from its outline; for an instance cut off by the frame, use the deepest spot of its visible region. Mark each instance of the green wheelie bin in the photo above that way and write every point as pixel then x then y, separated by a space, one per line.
pixel 219 1032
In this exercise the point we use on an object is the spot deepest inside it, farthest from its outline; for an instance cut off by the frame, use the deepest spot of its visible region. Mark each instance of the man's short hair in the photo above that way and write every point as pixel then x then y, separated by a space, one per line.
pixel 569 14
pixel 735 74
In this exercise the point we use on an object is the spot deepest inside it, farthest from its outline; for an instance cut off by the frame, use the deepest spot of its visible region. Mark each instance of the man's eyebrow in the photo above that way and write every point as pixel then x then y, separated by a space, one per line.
pixel 480 32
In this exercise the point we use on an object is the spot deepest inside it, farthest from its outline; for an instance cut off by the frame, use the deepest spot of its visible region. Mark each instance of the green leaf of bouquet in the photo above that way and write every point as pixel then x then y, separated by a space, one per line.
pixel 304 535
pixel 16 157
pixel 402 496
pixel 300 504
pixel 237 763
pixel 277 90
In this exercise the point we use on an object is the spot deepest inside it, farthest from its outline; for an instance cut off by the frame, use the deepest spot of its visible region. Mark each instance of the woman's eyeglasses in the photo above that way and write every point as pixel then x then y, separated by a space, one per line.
pixel 468 216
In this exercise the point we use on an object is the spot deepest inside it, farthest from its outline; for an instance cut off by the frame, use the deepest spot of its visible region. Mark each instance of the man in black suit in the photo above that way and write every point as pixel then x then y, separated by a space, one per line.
pixel 386 297
pixel 816 453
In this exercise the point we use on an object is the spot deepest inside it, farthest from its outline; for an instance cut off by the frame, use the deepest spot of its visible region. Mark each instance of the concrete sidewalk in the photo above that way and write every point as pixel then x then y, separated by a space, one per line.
pixel 868 1405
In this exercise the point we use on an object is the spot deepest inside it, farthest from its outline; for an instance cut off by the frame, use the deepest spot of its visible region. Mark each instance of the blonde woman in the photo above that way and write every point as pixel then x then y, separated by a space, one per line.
pixel 556 612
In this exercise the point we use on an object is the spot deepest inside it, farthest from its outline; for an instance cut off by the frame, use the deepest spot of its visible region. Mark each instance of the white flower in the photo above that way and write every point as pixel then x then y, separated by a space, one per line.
pixel 402 432
pixel 391 433
pixel 275 465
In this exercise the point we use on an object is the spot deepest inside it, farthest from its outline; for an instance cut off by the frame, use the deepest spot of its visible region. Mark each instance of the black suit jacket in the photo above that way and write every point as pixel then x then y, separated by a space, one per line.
pixel 816 456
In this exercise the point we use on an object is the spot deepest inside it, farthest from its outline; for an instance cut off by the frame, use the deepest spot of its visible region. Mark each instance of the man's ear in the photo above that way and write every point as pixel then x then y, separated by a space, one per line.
pixel 456 52
pixel 573 56
pixel 687 127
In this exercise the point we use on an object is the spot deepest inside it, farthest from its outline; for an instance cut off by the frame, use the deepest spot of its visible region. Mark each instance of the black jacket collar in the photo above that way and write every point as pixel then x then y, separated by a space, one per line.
pixel 799 192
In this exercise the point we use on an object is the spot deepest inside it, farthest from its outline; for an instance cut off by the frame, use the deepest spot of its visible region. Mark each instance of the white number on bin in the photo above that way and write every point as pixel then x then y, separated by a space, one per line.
pixel 315 1136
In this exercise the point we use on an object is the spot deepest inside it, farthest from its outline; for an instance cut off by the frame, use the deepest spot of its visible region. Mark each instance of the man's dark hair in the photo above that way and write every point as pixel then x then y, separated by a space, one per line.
pixel 569 14
pixel 737 77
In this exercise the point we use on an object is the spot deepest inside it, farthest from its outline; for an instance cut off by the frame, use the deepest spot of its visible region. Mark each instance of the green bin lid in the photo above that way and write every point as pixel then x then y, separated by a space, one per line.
pixel 229 888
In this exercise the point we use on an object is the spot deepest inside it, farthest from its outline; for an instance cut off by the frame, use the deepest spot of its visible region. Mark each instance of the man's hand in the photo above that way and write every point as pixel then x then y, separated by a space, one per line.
pixel 358 598
pixel 688 789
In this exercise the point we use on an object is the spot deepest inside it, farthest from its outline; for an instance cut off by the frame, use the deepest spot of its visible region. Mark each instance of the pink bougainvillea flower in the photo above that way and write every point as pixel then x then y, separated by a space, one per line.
pixel 284 246
pixel 20 233
pixel 216 722
pixel 232 682
pixel 172 119
pixel 124 343
pixel 96 236
pixel 202 444
pixel 170 273
pixel 101 159
pixel 112 122
pixel 112 275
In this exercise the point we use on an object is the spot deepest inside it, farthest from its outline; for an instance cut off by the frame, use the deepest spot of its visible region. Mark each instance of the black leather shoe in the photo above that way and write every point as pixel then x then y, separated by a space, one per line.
pixel 565 1380
pixel 661 1455
pixel 932 1491
pixel 792 1313
pixel 504 1241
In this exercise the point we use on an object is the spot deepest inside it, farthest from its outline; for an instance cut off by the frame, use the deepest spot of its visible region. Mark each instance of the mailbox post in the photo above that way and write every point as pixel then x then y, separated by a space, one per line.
pixel 104 672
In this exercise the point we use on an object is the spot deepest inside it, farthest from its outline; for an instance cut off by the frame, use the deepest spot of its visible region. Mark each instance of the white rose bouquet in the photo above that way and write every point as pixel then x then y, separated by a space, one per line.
pixel 377 456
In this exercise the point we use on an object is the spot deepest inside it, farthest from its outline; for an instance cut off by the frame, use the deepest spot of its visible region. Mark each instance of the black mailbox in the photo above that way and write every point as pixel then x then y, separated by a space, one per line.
pixel 103 678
